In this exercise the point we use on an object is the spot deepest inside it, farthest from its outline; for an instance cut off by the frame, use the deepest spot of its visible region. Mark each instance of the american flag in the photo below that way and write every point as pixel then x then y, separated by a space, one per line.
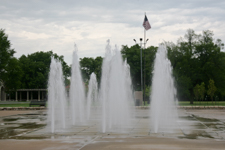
pixel 146 24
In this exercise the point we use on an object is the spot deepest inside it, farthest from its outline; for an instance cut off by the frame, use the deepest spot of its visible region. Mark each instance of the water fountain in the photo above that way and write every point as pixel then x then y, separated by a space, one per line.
pixel 115 92
pixel 77 94
pixel 92 94
pixel 163 110
pixel 57 104
pixel 116 97
pixel 114 100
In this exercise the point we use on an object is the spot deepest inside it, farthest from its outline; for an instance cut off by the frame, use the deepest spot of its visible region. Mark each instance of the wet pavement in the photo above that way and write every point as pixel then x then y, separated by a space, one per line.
pixel 201 125
pixel 15 126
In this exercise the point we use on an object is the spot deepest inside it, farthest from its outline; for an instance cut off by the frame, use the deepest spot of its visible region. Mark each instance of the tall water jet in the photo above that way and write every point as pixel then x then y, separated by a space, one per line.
pixel 92 93
pixel 104 84
pixel 56 97
pixel 128 82
pixel 163 110
pixel 77 94
pixel 115 92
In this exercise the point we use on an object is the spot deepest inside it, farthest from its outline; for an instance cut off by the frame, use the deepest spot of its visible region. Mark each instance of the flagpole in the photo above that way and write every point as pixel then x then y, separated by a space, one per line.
pixel 144 62
pixel 144 35
pixel 147 26
pixel 141 67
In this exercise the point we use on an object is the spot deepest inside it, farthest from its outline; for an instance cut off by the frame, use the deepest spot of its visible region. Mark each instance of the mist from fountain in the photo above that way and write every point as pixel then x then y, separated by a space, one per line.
pixel 57 102
pixel 163 111
pixel 115 92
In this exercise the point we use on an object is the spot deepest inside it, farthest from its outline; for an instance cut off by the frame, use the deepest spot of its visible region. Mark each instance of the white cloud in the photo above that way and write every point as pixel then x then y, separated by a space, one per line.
pixel 45 25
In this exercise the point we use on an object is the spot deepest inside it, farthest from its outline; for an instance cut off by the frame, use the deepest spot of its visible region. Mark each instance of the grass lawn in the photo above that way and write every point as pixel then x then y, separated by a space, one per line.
pixel 14 105
pixel 205 103
pixel 19 104
pixel 181 103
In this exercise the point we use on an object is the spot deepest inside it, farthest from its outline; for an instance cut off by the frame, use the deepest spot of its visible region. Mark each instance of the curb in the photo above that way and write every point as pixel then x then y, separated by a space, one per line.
pixel 137 107
pixel 22 108
pixel 187 107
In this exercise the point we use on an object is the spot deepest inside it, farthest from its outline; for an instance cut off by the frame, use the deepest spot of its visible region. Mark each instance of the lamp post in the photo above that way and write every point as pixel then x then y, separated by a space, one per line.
pixel 141 64
pixel 144 67
pixel 141 61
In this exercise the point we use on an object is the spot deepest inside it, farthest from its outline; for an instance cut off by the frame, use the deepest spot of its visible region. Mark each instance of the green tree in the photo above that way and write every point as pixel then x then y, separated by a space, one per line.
pixel 98 68
pixel 202 91
pixel 132 55
pixel 14 74
pixel 199 91
pixel 196 59
pixel 148 91
pixel 210 61
pixel 89 65
pixel 196 92
pixel 10 72
pixel 36 69
pixel 211 89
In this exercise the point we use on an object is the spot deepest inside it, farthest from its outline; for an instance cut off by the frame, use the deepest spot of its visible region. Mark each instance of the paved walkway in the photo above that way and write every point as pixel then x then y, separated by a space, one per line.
pixel 198 129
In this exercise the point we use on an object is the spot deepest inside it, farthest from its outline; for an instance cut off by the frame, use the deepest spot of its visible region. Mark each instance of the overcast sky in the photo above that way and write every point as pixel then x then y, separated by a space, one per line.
pixel 44 25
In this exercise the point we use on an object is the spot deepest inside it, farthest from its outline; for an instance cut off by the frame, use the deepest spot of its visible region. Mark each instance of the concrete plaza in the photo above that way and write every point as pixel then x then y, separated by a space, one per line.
pixel 198 129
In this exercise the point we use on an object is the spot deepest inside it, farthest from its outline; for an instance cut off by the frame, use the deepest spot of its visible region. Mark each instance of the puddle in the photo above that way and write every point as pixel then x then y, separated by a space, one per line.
pixel 206 119
pixel 187 118
pixel 10 125
pixel 204 128
pixel 7 134
pixel 31 114
pixel 11 132
pixel 219 126
pixel 196 135
pixel 31 125
pixel 16 127
pixel 10 119
pixel 199 126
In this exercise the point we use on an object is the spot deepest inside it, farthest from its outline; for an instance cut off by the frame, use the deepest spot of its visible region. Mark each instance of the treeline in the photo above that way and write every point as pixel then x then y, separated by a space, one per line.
pixel 27 72
pixel 197 61
pixel 198 66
